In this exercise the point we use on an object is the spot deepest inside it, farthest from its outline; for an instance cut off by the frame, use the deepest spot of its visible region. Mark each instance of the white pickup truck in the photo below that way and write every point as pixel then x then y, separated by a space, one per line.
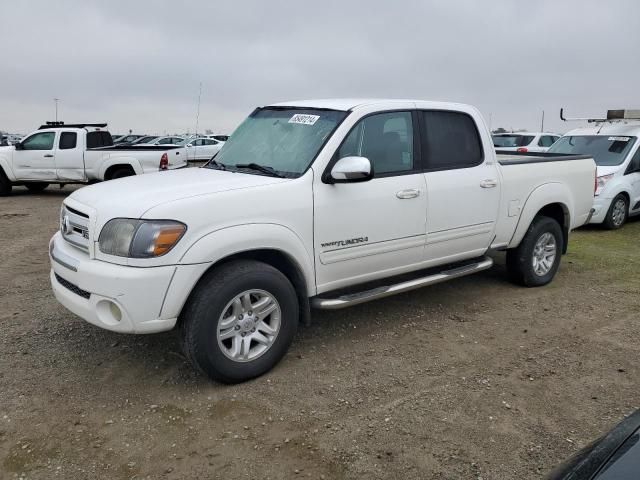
pixel 325 203
pixel 78 153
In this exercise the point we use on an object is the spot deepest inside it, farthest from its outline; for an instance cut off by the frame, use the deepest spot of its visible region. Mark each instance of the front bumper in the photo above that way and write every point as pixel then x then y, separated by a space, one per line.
pixel 114 297
pixel 600 208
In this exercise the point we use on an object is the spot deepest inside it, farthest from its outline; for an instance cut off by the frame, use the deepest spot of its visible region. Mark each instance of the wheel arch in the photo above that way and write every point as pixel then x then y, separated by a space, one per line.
pixel 110 166
pixel 560 208
pixel 274 245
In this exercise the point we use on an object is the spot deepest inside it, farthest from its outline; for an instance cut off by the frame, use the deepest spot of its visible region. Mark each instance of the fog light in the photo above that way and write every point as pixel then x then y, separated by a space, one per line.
pixel 115 311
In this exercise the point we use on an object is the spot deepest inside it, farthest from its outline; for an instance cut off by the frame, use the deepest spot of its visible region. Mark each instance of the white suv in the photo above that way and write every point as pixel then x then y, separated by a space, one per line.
pixel 616 149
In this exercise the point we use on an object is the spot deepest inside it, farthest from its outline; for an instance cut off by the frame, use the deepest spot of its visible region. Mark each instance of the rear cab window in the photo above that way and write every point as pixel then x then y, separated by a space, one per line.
pixel 99 139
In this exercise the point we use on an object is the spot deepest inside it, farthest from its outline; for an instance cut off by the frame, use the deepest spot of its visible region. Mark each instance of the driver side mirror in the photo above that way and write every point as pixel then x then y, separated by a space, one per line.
pixel 351 169
pixel 18 145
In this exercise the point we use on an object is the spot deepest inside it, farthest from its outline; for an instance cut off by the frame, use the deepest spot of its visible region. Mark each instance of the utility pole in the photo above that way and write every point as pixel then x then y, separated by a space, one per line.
pixel 56 100
pixel 542 125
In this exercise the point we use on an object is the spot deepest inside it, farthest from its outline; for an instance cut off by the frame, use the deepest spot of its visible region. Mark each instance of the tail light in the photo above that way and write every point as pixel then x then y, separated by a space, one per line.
pixel 164 162
pixel 595 182
pixel 522 150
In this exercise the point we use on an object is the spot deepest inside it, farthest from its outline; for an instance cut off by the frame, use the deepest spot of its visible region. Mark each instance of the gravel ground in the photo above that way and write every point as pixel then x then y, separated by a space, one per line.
pixel 475 378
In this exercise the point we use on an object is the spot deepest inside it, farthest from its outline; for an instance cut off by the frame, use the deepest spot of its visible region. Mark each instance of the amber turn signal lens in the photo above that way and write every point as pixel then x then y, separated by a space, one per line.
pixel 166 238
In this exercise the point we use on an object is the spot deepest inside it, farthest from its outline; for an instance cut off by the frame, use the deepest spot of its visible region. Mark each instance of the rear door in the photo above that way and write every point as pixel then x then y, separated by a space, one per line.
pixel 376 228
pixel 70 156
pixel 36 158
pixel 463 187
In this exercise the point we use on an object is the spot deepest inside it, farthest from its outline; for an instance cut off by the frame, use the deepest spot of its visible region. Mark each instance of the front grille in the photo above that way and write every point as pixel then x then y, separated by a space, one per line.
pixel 74 226
pixel 74 288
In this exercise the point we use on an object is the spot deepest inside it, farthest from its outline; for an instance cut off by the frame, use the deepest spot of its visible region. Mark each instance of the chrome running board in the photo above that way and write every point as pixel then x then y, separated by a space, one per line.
pixel 351 299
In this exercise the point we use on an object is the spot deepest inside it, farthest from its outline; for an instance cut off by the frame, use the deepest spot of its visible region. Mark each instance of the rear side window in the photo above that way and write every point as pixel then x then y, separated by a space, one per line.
pixel 99 139
pixel 450 140
pixel 546 141
pixel 68 140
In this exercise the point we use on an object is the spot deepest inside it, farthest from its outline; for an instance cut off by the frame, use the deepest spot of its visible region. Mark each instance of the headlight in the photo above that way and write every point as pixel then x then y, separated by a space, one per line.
pixel 601 182
pixel 126 237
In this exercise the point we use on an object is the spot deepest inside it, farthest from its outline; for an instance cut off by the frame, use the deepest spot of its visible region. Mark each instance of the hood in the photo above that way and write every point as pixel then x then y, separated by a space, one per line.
pixel 132 196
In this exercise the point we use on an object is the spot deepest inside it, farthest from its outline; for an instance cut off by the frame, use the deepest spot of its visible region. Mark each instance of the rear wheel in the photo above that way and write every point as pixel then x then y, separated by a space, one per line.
pixel 36 187
pixel 618 213
pixel 239 321
pixel 121 173
pixel 536 260
pixel 5 184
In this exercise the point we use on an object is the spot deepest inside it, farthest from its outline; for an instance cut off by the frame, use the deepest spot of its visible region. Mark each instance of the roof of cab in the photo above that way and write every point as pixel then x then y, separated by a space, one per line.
pixel 346 104
pixel 608 128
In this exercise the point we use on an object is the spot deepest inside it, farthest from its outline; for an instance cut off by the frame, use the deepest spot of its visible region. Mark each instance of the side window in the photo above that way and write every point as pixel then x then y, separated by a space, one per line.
pixel 39 141
pixel 99 139
pixel 68 140
pixel 634 164
pixel 386 139
pixel 451 140
pixel 546 141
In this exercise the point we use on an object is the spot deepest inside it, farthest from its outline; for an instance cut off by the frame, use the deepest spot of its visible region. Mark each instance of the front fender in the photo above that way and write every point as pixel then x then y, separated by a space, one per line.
pixel 220 244
pixel 124 160
pixel 540 197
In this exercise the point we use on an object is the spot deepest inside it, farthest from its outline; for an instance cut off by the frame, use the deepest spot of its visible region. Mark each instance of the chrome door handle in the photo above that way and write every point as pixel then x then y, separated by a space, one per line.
pixel 405 194
pixel 489 183
pixel 48 155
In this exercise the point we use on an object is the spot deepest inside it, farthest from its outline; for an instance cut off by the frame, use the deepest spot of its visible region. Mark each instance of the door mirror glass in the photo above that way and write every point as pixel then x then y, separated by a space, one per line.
pixel 18 145
pixel 352 169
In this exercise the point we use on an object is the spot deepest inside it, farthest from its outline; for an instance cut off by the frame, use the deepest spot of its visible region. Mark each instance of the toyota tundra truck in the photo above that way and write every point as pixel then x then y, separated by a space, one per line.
pixel 321 203
pixel 78 153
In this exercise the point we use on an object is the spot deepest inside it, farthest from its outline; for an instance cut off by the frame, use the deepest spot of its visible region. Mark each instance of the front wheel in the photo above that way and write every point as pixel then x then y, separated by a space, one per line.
pixel 536 260
pixel 617 214
pixel 239 321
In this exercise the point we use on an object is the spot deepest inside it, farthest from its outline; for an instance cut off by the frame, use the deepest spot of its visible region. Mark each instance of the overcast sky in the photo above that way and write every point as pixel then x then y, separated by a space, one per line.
pixel 137 64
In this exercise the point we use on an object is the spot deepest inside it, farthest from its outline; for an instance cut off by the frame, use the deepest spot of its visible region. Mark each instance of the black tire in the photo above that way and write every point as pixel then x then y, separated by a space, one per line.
pixel 5 184
pixel 206 305
pixel 121 173
pixel 614 220
pixel 520 260
pixel 36 187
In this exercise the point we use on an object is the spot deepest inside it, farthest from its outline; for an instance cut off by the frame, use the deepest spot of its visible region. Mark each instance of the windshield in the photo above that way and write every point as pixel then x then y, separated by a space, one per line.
pixel 283 139
pixel 606 150
pixel 507 141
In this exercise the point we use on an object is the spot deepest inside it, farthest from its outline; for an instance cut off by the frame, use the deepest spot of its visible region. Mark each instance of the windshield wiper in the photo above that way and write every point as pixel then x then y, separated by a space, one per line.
pixel 261 168
pixel 215 164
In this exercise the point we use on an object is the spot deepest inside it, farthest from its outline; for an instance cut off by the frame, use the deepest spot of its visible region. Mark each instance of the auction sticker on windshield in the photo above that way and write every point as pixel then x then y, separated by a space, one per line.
pixel 304 119
pixel 618 139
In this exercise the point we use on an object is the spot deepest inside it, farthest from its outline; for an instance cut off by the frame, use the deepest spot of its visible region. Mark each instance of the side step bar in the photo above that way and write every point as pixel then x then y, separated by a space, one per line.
pixel 388 290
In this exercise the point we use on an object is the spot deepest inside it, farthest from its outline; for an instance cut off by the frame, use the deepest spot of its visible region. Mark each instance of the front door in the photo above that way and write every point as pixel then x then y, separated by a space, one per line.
pixel 36 158
pixel 376 228
pixel 463 187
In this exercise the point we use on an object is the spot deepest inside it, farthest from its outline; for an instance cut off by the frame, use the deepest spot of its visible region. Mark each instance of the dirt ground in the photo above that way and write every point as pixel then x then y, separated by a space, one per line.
pixel 472 379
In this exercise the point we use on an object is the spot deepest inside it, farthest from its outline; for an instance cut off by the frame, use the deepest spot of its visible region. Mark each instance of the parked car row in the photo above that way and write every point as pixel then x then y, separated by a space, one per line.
pixel 201 147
